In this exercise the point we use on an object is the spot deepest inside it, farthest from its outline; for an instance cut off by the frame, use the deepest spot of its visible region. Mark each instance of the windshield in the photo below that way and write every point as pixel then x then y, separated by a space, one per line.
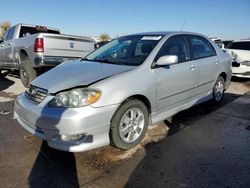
pixel 127 50
pixel 239 46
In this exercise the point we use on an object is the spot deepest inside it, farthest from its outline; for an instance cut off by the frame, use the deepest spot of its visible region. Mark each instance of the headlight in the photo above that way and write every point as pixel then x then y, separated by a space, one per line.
pixel 75 98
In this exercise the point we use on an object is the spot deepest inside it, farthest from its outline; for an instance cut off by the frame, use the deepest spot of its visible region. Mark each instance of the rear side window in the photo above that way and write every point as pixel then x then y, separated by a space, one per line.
pixel 239 46
pixel 175 45
pixel 201 47
pixel 34 30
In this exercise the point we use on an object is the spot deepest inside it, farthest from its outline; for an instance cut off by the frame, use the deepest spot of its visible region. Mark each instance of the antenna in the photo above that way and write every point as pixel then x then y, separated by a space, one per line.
pixel 183 24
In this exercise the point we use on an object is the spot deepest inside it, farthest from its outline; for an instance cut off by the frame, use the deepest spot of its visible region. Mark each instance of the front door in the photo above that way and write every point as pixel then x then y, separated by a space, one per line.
pixel 2 44
pixel 175 83
pixel 8 48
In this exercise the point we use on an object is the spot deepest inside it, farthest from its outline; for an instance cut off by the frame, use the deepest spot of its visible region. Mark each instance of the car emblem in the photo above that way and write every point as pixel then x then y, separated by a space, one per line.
pixel 71 44
pixel 33 91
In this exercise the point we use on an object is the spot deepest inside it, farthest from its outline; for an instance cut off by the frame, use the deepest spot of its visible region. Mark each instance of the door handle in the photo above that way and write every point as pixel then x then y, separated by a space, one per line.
pixel 216 62
pixel 10 43
pixel 192 67
pixel 2 45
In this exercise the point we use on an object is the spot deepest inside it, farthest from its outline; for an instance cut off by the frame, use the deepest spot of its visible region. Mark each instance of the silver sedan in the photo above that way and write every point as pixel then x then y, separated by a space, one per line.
pixel 114 93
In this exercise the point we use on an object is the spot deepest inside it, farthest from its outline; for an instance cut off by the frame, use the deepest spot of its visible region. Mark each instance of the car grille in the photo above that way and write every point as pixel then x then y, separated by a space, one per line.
pixel 36 94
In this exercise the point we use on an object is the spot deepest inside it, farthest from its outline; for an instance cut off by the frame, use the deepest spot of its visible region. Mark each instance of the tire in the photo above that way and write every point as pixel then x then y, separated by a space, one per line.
pixel 26 71
pixel 218 90
pixel 2 75
pixel 127 130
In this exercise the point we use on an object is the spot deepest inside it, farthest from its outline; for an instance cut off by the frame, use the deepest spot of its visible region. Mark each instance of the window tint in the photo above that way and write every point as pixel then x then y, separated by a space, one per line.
pixel 174 46
pixel 201 47
pixel 10 33
pixel 239 46
pixel 34 30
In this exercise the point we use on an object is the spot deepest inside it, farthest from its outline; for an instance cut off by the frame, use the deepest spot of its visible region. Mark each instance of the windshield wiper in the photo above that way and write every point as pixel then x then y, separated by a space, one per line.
pixel 104 61
pixel 85 59
pixel 98 61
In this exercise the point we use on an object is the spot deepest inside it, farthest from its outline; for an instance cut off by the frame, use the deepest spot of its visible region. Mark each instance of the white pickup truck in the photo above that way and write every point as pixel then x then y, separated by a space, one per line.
pixel 31 49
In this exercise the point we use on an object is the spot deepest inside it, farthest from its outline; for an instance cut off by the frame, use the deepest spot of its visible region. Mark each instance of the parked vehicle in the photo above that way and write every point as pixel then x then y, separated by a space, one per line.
pixel 32 48
pixel 112 94
pixel 227 42
pixel 240 52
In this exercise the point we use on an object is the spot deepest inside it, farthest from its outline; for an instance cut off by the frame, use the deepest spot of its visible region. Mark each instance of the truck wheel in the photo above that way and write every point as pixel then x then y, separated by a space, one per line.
pixel 219 89
pixel 129 124
pixel 1 74
pixel 26 71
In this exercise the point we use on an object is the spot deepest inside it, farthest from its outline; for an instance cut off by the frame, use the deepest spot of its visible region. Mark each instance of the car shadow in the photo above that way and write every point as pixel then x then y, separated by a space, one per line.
pixel 238 79
pixel 245 81
pixel 150 172
pixel 53 168
pixel 5 83
pixel 187 117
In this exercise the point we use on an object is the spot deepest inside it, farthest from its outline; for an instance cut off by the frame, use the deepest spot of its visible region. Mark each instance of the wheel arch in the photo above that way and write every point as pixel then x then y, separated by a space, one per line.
pixel 22 52
pixel 139 97
pixel 224 76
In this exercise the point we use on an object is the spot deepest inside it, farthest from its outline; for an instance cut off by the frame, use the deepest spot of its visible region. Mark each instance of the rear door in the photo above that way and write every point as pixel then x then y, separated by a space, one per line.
pixel 206 62
pixel 175 83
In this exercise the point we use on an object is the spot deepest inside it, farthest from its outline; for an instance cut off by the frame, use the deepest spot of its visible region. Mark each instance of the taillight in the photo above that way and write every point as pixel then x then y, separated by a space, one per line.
pixel 39 46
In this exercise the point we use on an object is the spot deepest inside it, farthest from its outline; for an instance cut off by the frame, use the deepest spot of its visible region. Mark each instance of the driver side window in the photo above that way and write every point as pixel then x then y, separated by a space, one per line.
pixel 175 45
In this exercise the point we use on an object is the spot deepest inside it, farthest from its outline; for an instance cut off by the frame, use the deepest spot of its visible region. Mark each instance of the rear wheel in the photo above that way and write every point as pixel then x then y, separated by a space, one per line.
pixel 219 89
pixel 26 71
pixel 129 124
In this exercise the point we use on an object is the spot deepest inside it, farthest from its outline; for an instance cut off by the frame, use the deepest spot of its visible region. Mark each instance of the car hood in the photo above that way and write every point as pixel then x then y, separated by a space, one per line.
pixel 77 73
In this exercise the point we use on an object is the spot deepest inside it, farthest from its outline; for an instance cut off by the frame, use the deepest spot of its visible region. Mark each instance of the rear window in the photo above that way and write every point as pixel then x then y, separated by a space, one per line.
pixel 34 30
pixel 239 46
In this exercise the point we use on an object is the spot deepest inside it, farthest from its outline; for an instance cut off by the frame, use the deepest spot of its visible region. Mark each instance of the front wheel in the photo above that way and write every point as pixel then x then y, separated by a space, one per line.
pixel 129 124
pixel 219 89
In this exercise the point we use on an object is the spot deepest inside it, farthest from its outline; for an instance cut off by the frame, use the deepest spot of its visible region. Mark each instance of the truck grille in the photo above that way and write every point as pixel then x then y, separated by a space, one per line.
pixel 36 94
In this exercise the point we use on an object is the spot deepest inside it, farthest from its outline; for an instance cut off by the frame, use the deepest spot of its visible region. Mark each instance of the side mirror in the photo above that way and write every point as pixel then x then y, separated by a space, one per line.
pixel 1 39
pixel 167 60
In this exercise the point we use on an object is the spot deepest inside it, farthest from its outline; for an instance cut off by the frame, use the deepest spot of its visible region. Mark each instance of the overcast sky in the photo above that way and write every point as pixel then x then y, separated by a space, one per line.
pixel 228 19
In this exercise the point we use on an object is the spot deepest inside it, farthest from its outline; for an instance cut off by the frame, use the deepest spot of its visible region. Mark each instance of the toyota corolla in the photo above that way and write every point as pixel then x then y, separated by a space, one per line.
pixel 114 93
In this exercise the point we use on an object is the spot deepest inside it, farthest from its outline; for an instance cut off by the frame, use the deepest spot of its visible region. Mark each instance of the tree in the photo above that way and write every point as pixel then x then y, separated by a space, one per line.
pixel 4 26
pixel 104 37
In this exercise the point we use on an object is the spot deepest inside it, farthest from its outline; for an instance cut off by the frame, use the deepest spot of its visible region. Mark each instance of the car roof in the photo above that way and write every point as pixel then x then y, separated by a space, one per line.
pixel 165 33
pixel 242 40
